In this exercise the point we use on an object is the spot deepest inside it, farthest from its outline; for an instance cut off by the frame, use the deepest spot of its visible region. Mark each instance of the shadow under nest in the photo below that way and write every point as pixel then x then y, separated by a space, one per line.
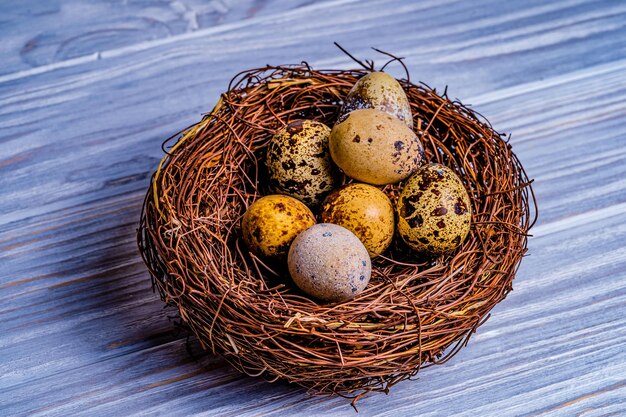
pixel 416 311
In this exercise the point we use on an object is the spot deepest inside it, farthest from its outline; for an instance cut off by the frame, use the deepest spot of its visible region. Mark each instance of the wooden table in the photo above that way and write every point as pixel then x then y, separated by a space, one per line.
pixel 88 91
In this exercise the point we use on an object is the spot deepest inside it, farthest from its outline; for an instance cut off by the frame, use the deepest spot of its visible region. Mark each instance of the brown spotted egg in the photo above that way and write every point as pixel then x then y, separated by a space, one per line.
pixel 374 147
pixel 272 222
pixel 434 212
pixel 364 210
pixel 378 90
pixel 329 262
pixel 299 164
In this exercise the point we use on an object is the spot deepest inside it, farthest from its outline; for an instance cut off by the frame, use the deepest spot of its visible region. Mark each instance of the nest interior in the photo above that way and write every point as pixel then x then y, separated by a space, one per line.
pixel 417 310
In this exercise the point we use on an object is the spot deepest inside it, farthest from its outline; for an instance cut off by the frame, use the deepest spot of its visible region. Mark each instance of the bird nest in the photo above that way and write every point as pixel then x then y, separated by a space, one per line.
pixel 417 310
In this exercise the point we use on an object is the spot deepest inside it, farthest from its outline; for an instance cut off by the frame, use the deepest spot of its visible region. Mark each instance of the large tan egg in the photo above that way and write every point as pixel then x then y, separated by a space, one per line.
pixel 364 210
pixel 272 222
pixel 373 147
pixel 299 163
pixel 380 91
pixel 329 262
pixel 434 212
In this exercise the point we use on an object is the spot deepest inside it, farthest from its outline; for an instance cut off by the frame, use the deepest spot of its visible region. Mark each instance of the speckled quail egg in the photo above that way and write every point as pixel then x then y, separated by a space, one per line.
pixel 373 147
pixel 434 211
pixel 299 163
pixel 378 90
pixel 272 222
pixel 329 262
pixel 364 210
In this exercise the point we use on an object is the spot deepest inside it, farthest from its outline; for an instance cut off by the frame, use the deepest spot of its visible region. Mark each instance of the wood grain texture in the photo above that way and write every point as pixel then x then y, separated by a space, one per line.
pixel 82 334
pixel 37 33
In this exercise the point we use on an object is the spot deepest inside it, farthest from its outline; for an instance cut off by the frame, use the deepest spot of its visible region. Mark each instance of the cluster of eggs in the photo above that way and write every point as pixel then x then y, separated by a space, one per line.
pixel 373 143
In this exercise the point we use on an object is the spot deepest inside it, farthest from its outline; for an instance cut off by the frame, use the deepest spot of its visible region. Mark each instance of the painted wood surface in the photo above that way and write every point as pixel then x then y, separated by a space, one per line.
pixel 83 111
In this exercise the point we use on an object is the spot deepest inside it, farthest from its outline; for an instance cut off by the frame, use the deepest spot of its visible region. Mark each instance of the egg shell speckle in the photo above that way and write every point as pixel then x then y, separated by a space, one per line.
pixel 373 147
pixel 329 262
pixel 272 222
pixel 364 210
pixel 434 210
pixel 299 162
pixel 378 90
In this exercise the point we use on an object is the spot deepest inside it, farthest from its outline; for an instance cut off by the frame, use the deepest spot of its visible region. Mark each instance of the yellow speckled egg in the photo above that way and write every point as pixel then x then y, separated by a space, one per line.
pixel 364 210
pixel 299 163
pixel 272 222
pixel 434 211
pixel 373 147
pixel 378 90
pixel 329 262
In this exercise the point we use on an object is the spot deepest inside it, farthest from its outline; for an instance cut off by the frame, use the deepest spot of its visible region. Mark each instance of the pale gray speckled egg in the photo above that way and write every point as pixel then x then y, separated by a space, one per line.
pixel 299 163
pixel 329 262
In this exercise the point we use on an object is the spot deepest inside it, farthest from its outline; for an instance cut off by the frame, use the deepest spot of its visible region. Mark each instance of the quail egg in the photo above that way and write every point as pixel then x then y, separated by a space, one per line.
pixel 364 210
pixel 378 90
pixel 299 164
pixel 373 147
pixel 329 262
pixel 272 222
pixel 434 211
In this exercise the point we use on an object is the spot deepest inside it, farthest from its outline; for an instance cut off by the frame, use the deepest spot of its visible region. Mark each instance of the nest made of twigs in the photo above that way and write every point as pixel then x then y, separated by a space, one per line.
pixel 416 311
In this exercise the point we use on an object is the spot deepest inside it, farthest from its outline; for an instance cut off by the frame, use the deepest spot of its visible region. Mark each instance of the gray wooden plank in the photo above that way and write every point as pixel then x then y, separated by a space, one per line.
pixel 81 331
pixel 436 37
pixel 37 33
